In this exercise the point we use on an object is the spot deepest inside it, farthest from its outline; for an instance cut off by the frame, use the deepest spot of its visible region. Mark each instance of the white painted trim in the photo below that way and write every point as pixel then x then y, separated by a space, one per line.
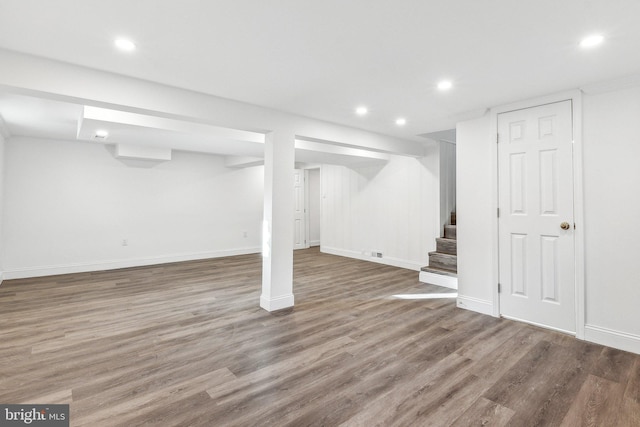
pixel 307 233
pixel 395 262
pixel 1 277
pixel 314 243
pixel 475 304
pixel 438 279
pixel 495 202
pixel 273 304
pixel 609 337
pixel 575 96
pixel 578 215
pixel 535 102
pixel 52 270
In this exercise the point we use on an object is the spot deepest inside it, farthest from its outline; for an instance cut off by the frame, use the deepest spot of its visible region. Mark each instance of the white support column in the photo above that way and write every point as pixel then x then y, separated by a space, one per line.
pixel 277 234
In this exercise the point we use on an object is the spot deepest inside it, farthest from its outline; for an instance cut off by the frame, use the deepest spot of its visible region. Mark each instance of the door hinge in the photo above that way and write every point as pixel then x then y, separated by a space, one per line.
pixel 499 288
pixel 498 212
pixel 497 138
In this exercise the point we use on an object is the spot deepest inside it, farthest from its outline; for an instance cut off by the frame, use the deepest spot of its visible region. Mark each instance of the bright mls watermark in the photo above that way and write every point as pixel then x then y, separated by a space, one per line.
pixel 34 415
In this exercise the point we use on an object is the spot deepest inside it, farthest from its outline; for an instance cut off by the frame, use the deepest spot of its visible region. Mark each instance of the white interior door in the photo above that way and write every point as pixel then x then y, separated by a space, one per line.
pixel 299 214
pixel 535 167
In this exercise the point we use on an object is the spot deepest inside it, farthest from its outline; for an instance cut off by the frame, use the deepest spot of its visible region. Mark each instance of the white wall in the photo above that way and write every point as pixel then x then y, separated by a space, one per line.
pixel 69 205
pixel 447 181
pixel 2 169
pixel 391 208
pixel 611 179
pixel 612 208
pixel 475 215
pixel 314 207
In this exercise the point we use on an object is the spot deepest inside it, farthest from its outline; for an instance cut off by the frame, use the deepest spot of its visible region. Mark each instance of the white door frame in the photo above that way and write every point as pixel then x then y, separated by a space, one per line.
pixel 578 195
pixel 304 232
pixel 306 209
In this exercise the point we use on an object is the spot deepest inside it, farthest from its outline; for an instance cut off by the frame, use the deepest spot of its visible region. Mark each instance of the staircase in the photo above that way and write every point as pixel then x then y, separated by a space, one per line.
pixel 443 263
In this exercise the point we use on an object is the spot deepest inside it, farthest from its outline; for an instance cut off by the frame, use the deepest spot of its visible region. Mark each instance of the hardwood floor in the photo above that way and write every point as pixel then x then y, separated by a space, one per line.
pixel 186 344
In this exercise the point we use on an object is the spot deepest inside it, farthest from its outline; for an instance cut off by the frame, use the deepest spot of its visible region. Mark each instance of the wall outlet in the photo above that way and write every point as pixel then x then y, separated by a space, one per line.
pixel 125 242
pixel 376 254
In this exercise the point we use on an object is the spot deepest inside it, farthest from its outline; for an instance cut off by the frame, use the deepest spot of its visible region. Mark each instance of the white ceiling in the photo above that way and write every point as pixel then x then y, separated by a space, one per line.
pixel 323 58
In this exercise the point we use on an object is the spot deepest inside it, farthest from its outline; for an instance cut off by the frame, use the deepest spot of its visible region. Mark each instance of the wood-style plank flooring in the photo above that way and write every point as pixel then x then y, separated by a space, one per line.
pixel 186 344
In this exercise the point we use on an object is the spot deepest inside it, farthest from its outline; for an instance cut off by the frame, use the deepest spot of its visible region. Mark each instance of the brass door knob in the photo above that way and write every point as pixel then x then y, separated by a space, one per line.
pixel 565 225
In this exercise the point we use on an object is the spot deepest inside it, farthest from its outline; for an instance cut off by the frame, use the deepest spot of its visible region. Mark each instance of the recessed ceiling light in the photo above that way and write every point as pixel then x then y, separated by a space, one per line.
pixel 361 111
pixel 591 41
pixel 101 134
pixel 445 85
pixel 401 121
pixel 125 44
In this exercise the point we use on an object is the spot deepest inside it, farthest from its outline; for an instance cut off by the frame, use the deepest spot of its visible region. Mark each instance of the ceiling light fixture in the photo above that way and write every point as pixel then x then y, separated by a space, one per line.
pixel 101 134
pixel 592 41
pixel 361 111
pixel 401 121
pixel 125 45
pixel 445 85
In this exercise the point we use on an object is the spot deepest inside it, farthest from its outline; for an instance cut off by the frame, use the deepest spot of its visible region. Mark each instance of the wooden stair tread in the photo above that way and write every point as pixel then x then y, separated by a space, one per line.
pixel 444 254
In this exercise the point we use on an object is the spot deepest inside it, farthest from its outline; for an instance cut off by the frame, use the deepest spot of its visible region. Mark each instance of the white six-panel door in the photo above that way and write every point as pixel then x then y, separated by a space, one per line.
pixel 299 223
pixel 535 178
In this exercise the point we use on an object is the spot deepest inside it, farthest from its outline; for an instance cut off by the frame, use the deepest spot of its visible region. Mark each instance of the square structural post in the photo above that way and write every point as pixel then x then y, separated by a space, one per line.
pixel 277 226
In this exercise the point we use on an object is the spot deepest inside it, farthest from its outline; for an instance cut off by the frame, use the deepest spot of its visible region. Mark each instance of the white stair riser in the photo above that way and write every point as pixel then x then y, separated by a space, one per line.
pixel 439 279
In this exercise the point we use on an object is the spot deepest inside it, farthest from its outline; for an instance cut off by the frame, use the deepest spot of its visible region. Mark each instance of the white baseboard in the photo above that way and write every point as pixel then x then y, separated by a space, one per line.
pixel 475 304
pixel 395 262
pixel 314 243
pixel 278 303
pixel 1 277
pixel 438 279
pixel 22 273
pixel 611 338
